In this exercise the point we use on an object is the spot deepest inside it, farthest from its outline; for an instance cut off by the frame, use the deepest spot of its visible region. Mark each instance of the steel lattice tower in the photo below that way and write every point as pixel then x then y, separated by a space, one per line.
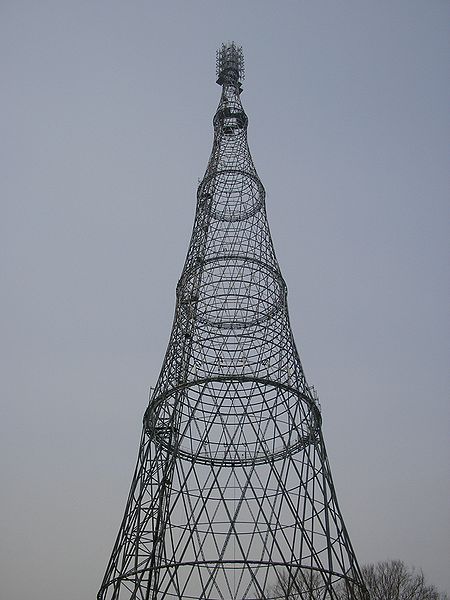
pixel 232 497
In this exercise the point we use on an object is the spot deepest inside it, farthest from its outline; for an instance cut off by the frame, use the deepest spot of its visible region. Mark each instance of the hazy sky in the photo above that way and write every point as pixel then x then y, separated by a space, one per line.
pixel 106 126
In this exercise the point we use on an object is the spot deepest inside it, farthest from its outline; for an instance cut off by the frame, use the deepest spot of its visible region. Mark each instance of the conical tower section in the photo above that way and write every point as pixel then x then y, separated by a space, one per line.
pixel 232 497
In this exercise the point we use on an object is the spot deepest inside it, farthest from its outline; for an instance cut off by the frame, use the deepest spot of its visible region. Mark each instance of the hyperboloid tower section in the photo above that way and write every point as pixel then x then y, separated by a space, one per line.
pixel 232 497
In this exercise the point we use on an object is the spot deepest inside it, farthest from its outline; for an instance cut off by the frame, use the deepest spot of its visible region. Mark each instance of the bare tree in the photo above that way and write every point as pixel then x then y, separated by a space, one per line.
pixel 303 584
pixel 387 580
pixel 393 580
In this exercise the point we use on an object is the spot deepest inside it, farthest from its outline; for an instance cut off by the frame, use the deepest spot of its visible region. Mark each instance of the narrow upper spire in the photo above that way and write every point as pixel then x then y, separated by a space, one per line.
pixel 230 65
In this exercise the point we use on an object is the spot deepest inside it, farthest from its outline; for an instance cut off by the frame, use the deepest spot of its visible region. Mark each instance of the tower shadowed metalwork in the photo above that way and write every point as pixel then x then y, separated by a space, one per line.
pixel 232 497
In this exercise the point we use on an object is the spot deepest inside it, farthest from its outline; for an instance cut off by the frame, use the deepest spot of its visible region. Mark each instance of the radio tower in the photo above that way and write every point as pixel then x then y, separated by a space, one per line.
pixel 232 497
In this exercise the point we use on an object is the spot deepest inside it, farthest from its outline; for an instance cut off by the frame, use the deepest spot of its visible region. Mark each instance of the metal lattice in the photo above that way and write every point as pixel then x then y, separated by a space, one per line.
pixel 232 497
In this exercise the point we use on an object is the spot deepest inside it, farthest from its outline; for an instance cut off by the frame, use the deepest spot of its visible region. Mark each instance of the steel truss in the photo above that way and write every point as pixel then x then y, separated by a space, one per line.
pixel 232 497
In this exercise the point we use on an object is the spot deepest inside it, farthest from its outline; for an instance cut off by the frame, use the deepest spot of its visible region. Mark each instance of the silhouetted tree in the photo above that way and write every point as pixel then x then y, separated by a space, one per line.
pixel 393 580
pixel 387 580
pixel 303 584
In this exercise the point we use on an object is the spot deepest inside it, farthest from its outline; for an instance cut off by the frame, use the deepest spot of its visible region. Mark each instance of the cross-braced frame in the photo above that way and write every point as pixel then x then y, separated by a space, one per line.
pixel 232 497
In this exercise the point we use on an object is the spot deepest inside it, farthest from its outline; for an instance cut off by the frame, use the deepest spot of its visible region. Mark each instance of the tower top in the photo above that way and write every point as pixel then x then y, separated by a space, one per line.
pixel 230 64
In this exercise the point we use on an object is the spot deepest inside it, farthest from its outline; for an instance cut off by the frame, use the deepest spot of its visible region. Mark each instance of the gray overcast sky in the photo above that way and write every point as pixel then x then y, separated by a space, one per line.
pixel 106 125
